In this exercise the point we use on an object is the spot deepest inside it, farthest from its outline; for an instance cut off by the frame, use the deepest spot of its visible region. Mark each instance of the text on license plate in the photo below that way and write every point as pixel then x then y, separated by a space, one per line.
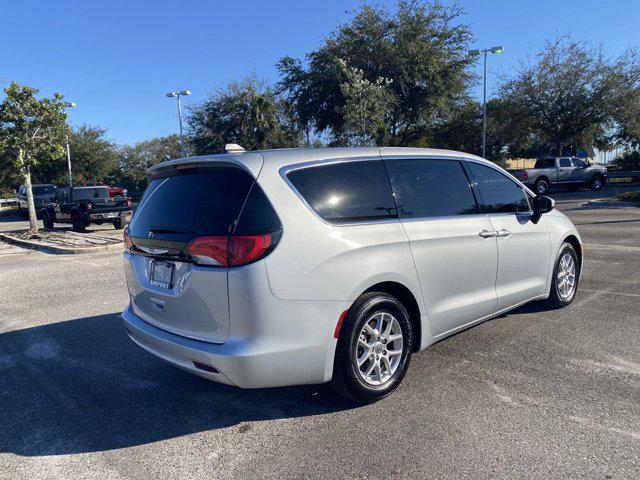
pixel 161 274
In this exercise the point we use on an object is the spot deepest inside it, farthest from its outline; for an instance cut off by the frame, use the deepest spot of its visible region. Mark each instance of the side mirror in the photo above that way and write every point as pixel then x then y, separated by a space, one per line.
pixel 540 206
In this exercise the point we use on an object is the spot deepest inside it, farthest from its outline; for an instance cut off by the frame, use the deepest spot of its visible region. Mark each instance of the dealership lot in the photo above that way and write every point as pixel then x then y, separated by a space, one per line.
pixel 535 393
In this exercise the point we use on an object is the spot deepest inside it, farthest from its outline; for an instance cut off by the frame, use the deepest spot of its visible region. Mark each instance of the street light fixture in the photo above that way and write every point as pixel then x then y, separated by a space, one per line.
pixel 485 51
pixel 178 95
pixel 69 105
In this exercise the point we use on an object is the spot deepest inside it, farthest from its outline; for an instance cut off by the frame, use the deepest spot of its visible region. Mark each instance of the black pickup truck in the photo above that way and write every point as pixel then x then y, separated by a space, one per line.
pixel 82 206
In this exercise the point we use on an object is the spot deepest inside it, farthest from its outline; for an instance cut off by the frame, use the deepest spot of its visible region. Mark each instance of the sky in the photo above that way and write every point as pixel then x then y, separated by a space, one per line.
pixel 117 59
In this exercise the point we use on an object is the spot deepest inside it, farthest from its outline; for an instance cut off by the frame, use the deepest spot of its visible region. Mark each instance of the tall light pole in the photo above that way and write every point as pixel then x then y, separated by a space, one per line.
pixel 178 95
pixel 485 51
pixel 69 105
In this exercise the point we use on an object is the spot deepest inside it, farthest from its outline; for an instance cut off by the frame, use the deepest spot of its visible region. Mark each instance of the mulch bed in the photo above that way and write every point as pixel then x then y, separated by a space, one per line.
pixel 65 238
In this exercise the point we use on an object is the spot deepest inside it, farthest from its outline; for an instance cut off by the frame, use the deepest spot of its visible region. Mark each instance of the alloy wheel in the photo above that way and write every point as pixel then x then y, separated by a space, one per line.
pixel 379 349
pixel 566 277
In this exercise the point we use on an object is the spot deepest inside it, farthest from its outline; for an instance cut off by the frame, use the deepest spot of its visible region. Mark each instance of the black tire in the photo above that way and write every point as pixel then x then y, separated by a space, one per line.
pixel 556 299
pixel 117 224
pixel 47 221
pixel 347 379
pixel 79 224
pixel 541 187
pixel 597 182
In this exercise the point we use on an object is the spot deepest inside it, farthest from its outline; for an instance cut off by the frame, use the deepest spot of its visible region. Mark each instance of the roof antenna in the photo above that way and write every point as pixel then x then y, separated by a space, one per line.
pixel 233 148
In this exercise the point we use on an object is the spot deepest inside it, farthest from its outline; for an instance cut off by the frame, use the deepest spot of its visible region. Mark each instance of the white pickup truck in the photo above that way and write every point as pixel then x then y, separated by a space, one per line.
pixel 564 171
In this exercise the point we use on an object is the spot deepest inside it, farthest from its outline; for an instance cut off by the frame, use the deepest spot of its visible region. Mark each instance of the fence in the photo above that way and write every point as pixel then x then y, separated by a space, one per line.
pixel 632 174
pixel 8 201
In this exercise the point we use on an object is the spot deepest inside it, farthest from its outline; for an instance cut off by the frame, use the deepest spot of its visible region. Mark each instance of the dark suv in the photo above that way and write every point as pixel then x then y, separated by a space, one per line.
pixel 43 195
pixel 82 206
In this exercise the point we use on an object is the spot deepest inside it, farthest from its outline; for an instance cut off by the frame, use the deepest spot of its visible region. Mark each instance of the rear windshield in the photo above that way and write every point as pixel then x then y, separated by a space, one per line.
pixel 200 202
pixel 43 189
pixel 90 193
pixel 545 163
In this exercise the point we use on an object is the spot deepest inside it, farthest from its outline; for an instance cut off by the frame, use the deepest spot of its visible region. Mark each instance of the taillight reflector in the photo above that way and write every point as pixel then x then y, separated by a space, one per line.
pixel 229 251
pixel 336 332
pixel 128 243
pixel 205 367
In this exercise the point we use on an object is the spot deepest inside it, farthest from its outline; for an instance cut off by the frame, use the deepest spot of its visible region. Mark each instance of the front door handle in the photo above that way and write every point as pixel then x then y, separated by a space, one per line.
pixel 488 233
pixel 503 232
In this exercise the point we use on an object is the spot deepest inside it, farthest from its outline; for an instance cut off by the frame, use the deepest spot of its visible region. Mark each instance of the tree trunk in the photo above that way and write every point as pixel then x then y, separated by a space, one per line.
pixel 26 172
pixel 558 149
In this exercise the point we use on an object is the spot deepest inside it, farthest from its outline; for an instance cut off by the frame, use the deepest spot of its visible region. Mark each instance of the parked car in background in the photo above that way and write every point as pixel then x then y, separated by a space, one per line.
pixel 283 267
pixel 117 191
pixel 43 195
pixel 82 206
pixel 562 171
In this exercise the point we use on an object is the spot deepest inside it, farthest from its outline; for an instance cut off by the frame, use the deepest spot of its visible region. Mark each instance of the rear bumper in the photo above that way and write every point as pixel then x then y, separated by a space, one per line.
pixel 257 362
pixel 107 216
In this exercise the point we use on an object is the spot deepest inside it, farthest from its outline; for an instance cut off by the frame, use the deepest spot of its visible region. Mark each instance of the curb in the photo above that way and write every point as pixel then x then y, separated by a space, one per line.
pixel 43 247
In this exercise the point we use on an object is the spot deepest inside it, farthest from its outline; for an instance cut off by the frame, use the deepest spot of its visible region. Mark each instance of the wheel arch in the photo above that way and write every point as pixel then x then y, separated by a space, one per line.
pixel 542 177
pixel 408 300
pixel 577 246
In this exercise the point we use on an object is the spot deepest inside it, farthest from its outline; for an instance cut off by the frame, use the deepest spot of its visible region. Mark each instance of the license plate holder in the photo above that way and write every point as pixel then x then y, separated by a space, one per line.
pixel 161 274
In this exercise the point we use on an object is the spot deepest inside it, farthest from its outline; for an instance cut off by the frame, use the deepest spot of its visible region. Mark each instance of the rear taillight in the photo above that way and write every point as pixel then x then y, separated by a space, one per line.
pixel 210 250
pixel 525 175
pixel 89 206
pixel 128 203
pixel 128 243
pixel 231 251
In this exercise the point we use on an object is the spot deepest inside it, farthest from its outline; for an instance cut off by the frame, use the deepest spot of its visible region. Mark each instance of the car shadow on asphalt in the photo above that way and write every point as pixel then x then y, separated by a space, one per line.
pixel 82 386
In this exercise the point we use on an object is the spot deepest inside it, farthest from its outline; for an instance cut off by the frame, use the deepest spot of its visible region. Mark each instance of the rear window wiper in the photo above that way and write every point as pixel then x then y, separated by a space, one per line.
pixel 169 230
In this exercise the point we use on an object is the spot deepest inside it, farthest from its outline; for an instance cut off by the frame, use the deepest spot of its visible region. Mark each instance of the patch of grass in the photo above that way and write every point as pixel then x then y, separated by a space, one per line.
pixel 629 197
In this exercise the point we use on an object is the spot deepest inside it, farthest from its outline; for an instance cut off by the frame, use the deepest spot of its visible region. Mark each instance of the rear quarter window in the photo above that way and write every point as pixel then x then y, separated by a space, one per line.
pixel 346 192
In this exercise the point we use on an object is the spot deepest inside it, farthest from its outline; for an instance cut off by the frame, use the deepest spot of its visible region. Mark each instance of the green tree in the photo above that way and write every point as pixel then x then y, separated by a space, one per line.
pixel 422 48
pixel 133 161
pixel 571 97
pixel 367 107
pixel 32 131
pixel 93 156
pixel 249 113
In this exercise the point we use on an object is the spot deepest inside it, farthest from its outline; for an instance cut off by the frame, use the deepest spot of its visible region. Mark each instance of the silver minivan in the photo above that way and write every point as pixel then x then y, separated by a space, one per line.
pixel 297 266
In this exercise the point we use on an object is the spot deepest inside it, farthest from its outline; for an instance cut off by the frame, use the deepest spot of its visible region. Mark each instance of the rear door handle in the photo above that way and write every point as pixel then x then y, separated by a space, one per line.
pixel 503 232
pixel 488 233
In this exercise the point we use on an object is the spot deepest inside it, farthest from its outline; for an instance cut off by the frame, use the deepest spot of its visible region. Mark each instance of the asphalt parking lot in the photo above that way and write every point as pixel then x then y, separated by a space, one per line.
pixel 532 394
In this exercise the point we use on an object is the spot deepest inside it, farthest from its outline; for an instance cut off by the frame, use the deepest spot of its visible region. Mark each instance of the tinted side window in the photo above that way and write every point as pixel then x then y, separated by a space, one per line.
pixel 565 162
pixel 430 188
pixel 545 163
pixel 345 192
pixel 499 193
pixel 579 163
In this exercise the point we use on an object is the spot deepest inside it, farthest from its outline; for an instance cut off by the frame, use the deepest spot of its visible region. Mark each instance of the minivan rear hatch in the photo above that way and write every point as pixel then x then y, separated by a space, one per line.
pixel 183 204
